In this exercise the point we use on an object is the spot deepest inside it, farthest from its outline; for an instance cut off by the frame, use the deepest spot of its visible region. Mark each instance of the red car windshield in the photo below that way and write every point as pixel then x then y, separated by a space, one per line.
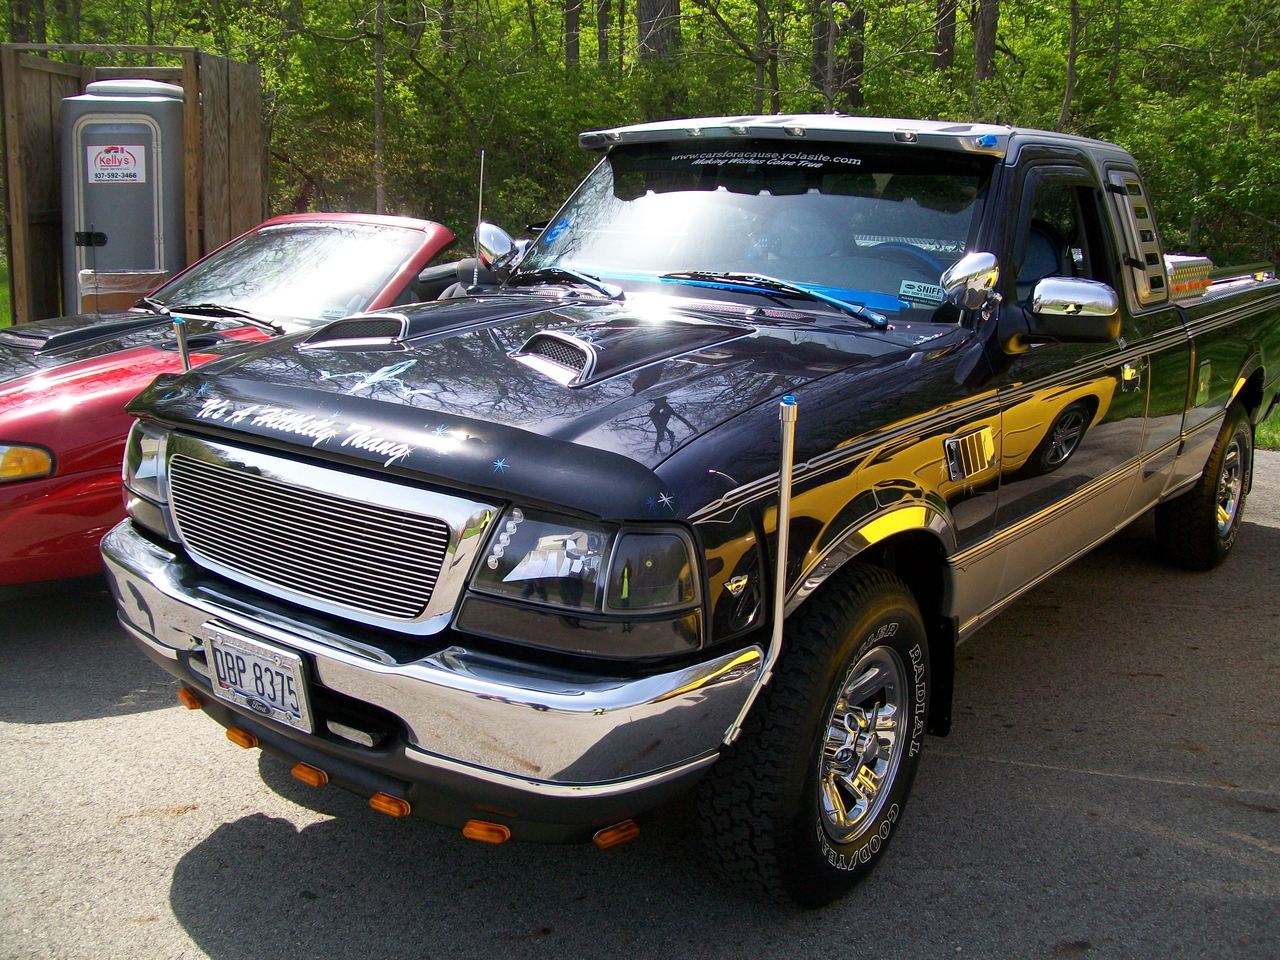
pixel 311 271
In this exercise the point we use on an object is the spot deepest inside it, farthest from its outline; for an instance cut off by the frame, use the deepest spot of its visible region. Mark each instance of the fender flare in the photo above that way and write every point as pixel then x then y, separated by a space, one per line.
pixel 927 514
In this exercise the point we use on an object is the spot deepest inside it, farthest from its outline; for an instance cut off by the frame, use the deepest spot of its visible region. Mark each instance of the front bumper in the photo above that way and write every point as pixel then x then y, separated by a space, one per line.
pixel 463 734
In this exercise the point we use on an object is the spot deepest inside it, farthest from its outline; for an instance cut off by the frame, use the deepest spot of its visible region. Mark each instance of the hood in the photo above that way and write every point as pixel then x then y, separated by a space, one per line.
pixel 571 404
pixel 47 344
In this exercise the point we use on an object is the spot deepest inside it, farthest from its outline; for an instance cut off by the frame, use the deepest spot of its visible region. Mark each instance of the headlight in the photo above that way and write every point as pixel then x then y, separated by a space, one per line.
pixel 561 562
pixel 144 493
pixel 540 559
pixel 24 463
pixel 142 455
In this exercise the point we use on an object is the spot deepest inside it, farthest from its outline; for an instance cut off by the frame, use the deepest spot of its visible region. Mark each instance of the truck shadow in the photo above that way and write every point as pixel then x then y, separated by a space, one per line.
pixel 66 658
pixel 1041 827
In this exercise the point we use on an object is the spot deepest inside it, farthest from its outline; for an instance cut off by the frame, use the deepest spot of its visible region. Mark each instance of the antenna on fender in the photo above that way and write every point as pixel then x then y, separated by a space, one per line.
pixel 475 273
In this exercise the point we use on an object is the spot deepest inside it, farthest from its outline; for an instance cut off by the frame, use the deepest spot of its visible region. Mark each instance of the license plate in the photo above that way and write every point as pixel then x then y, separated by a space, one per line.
pixel 260 676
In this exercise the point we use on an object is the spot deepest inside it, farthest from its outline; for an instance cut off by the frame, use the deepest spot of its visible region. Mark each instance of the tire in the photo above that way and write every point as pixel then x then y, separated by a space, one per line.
pixel 768 814
pixel 1197 529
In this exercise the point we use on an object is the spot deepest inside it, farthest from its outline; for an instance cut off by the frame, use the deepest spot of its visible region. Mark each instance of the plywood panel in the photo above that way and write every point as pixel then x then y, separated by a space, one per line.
pixel 244 119
pixel 16 222
pixel 214 150
pixel 191 156
pixel 39 141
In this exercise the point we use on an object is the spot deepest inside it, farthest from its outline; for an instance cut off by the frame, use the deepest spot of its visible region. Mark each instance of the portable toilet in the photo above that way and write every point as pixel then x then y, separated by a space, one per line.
pixel 122 192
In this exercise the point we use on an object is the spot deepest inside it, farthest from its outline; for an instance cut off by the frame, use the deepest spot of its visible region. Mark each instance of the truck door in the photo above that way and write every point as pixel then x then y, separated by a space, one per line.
pixel 1072 414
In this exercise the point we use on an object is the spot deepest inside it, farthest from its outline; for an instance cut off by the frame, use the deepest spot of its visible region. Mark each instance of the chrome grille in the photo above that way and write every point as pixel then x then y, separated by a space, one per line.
pixel 362 556
pixel 557 351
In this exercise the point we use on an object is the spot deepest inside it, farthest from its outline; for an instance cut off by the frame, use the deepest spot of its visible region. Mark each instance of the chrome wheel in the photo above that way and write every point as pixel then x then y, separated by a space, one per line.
pixel 1065 436
pixel 1230 487
pixel 863 746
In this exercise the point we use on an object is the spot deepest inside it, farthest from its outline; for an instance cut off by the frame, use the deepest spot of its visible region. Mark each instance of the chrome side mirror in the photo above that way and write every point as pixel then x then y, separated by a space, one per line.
pixel 970 282
pixel 1073 310
pixel 492 244
pixel 1073 297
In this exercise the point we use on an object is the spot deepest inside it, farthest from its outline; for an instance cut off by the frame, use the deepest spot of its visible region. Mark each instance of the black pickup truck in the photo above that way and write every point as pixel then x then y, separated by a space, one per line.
pixel 512 561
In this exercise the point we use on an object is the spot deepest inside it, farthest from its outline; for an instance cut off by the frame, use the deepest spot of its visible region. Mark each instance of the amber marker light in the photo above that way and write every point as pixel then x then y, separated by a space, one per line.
pixel 24 463
pixel 618 834
pixel 188 698
pixel 311 776
pixel 242 738
pixel 391 806
pixel 486 832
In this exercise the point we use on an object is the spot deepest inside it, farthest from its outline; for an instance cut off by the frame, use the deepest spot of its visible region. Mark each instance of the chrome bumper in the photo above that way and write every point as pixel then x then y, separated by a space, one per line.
pixel 490 720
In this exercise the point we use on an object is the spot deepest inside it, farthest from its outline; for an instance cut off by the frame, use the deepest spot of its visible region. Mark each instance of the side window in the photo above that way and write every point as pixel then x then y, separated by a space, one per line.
pixel 1062 237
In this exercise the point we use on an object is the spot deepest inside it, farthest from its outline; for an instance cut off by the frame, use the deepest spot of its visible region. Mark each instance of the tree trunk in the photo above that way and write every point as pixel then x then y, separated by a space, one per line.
pixel 984 40
pixel 535 40
pixel 849 67
pixel 446 25
pixel 838 57
pixel 379 130
pixel 572 33
pixel 1073 40
pixel 602 32
pixel 944 37
pixel 20 21
pixel 657 28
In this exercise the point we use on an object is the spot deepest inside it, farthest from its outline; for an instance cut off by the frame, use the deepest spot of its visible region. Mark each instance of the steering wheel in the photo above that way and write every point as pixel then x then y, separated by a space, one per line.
pixel 897 250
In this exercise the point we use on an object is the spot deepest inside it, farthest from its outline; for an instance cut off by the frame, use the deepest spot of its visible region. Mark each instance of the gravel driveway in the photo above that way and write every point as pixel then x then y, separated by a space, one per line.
pixel 1112 788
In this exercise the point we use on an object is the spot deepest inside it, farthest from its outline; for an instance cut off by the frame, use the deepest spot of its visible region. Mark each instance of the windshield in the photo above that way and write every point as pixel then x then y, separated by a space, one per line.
pixel 313 271
pixel 869 225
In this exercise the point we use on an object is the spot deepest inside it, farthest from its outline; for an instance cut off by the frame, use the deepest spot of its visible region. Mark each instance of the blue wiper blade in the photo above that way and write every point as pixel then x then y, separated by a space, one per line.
pixel 773 285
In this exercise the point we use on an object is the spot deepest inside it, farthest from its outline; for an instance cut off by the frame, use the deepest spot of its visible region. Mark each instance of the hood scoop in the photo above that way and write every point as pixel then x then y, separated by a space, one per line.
pixel 590 353
pixel 364 331
pixel 46 338
pixel 360 330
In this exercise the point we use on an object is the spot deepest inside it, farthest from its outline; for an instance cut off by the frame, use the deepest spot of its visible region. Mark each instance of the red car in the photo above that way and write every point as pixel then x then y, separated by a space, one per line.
pixel 64 382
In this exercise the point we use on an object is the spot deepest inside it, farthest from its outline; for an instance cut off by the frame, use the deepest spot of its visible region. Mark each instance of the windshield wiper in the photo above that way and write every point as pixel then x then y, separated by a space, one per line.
pixel 225 310
pixel 565 274
pixel 774 285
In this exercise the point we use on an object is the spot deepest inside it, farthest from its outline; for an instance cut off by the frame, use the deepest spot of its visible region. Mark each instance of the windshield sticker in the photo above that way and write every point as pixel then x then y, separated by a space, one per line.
pixel 767 158
pixel 915 292
pixel 555 232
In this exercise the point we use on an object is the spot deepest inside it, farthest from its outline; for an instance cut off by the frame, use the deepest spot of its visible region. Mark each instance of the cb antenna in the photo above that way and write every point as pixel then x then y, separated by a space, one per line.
pixel 475 273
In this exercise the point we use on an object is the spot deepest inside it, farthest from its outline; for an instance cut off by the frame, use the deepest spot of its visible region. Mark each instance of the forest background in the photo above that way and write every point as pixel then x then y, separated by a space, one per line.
pixel 387 103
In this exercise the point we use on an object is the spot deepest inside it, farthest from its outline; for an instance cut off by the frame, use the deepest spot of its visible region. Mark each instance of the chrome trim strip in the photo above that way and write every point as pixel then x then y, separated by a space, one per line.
pixel 455 703
pixel 565 791
pixel 1029 524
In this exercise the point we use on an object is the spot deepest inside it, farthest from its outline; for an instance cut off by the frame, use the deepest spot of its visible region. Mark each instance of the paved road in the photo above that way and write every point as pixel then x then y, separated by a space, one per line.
pixel 1112 788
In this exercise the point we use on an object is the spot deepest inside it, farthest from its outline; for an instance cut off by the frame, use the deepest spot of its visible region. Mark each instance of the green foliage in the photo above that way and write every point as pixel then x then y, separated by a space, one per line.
pixel 1192 89
pixel 6 310
pixel 1268 436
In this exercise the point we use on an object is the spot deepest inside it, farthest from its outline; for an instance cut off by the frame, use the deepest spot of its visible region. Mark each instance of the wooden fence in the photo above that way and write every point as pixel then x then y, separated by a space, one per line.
pixel 224 148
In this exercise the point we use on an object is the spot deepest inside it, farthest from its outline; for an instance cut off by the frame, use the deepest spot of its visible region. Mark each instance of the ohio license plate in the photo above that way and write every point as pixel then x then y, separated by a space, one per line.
pixel 260 676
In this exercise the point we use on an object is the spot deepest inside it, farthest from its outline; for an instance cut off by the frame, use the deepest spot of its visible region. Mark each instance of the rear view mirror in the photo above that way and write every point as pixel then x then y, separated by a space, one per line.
pixel 970 282
pixel 1073 310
